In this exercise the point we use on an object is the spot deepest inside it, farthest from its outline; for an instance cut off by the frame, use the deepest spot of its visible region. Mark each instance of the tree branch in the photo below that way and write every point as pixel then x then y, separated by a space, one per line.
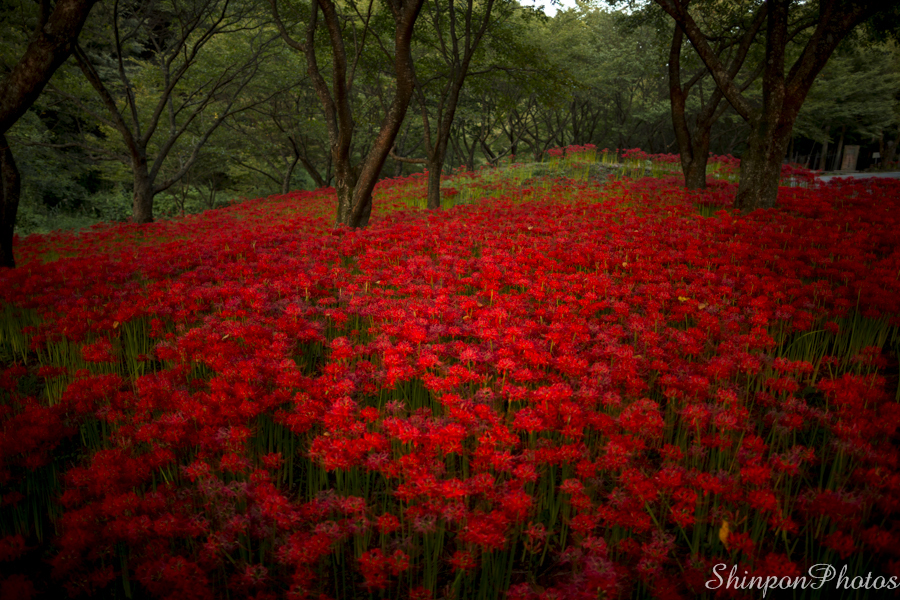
pixel 403 159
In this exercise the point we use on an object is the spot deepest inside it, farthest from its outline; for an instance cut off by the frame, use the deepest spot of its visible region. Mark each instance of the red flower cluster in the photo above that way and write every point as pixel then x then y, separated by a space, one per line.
pixel 594 391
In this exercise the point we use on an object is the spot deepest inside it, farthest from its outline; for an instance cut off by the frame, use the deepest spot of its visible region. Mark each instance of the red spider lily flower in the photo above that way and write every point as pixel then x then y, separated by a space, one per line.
pixel 643 488
pixel 463 561
pixel 387 524
pixel 420 593
pixel 176 576
pixel 583 523
pixel 100 351
pixel 486 531
pixel 12 547
pixel 17 586
pixel 842 543
pixel 376 567
pixel 682 512
pixel 517 504
pixel 507 352
pixel 521 591
pixel 273 461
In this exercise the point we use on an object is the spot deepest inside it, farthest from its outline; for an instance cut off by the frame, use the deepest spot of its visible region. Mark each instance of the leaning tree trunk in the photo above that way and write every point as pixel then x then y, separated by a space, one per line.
pixel 10 188
pixel 317 177
pixel 355 185
pixel 288 175
pixel 693 147
pixel 49 47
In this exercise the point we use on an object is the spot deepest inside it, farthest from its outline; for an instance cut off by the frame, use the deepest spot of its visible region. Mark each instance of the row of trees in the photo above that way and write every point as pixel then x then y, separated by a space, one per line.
pixel 158 95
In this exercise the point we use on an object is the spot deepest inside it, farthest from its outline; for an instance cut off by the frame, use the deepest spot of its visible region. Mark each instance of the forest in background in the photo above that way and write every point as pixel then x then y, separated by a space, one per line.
pixel 225 109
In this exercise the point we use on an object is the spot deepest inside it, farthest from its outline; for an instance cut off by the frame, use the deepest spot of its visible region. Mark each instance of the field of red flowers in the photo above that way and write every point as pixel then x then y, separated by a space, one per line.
pixel 563 389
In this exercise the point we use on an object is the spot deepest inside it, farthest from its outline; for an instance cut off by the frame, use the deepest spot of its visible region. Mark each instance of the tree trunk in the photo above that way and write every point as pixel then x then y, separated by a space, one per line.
pixel 450 159
pixel 771 123
pixel 49 47
pixel 434 184
pixel 354 195
pixel 760 171
pixel 345 186
pixel 824 158
pixel 211 198
pixel 678 102
pixel 142 199
pixel 694 161
pixel 317 177
pixel 695 173
pixel 891 149
pixel 10 188
pixel 354 185
pixel 836 165
pixel 286 180
pixel 437 154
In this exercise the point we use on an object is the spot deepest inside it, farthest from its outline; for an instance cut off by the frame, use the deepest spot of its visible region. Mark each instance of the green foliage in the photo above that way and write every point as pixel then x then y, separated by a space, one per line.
pixel 61 187
pixel 104 206
pixel 859 89
pixel 191 200
pixel 591 74
pixel 47 177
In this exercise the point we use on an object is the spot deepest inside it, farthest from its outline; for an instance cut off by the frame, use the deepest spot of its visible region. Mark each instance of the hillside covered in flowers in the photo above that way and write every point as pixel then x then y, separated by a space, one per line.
pixel 560 388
